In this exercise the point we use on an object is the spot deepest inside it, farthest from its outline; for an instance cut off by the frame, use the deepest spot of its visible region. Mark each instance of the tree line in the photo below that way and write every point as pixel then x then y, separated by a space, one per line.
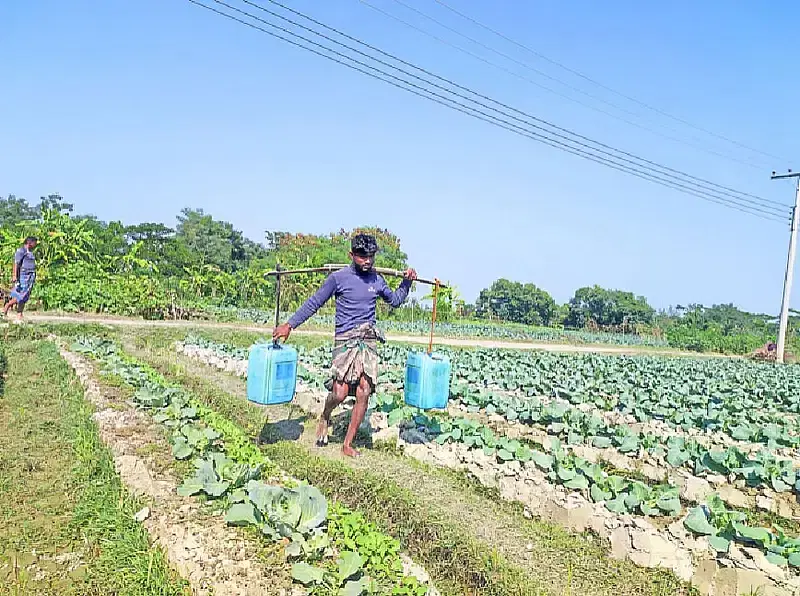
pixel 153 270
pixel 590 307
pixel 718 328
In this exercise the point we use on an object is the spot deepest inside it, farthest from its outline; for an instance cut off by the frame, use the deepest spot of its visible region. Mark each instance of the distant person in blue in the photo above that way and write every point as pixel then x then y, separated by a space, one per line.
pixel 354 370
pixel 23 276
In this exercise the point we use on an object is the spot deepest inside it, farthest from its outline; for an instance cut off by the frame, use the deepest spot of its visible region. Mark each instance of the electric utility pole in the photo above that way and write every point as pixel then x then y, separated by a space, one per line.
pixel 787 282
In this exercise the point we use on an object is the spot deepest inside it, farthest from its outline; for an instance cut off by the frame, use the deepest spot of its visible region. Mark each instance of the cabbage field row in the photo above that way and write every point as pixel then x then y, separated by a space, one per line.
pixel 565 417
pixel 566 397
pixel 707 404
pixel 748 401
pixel 743 400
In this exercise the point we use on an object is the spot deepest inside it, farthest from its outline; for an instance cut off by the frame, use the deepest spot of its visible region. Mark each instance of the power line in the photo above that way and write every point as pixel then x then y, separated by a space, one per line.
pixel 603 86
pixel 547 76
pixel 541 123
pixel 471 111
pixel 559 144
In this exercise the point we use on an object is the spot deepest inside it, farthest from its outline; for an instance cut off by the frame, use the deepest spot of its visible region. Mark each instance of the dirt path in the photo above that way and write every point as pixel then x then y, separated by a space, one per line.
pixel 412 339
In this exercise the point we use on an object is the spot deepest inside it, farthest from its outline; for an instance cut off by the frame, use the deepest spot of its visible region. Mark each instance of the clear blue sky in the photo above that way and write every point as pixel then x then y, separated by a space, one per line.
pixel 134 110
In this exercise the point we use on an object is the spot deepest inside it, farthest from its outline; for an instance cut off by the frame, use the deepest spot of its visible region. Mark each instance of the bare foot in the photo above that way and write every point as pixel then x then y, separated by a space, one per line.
pixel 350 452
pixel 322 433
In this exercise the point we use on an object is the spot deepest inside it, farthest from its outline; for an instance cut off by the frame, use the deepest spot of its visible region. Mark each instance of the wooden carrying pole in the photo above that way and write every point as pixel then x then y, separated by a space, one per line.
pixel 331 268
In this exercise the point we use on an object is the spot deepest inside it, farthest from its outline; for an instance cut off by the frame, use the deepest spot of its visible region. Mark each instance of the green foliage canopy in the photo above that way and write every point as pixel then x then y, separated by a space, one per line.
pixel 607 308
pixel 516 302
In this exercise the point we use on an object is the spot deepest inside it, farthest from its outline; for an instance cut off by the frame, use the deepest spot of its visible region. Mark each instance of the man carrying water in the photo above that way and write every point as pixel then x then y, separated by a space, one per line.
pixel 23 276
pixel 354 370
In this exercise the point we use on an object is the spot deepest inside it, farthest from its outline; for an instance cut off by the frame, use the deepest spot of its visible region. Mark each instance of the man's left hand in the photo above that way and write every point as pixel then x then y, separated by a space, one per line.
pixel 410 275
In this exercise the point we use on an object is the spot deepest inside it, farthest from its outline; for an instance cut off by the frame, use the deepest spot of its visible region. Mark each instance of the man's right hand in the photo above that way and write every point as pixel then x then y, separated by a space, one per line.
pixel 282 332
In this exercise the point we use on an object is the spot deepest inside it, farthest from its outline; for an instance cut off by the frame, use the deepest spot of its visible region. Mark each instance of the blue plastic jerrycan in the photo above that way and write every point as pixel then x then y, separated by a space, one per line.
pixel 427 384
pixel 271 374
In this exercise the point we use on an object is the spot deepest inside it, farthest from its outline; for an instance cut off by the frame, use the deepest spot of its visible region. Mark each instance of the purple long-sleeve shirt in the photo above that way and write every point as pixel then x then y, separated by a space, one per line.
pixel 356 296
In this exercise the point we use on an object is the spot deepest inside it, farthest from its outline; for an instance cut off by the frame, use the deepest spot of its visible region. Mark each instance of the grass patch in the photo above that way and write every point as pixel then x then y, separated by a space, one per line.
pixel 66 521
pixel 3 369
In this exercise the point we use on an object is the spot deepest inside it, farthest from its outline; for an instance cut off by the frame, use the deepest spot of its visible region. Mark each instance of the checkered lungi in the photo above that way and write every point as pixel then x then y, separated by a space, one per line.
pixel 355 353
